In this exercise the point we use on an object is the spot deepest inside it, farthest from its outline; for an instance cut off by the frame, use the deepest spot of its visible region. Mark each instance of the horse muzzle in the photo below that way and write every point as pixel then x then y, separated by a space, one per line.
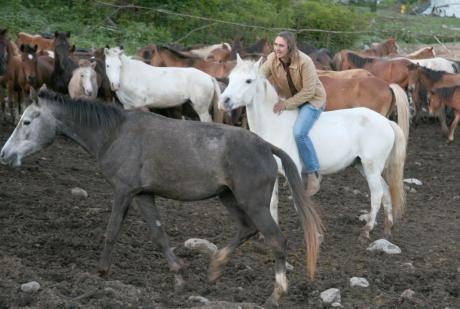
pixel 114 86
pixel 12 160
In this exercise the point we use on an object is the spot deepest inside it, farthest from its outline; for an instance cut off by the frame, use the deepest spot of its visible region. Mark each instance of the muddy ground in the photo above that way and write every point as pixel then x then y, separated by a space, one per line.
pixel 52 237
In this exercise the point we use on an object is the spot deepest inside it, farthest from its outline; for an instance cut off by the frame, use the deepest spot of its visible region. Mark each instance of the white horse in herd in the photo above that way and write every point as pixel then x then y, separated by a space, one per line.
pixel 140 85
pixel 357 136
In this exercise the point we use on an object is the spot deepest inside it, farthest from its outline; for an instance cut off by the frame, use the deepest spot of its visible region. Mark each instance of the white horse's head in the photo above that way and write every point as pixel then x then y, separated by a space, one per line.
pixel 242 84
pixel 113 66
pixel 88 78
pixel 36 129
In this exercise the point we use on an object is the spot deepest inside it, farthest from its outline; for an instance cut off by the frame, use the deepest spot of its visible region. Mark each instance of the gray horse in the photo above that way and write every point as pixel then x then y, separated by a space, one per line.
pixel 143 155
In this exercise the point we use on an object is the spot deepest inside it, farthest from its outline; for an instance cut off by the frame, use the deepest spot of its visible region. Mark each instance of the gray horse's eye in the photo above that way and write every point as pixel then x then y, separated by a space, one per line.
pixel 248 81
pixel 26 122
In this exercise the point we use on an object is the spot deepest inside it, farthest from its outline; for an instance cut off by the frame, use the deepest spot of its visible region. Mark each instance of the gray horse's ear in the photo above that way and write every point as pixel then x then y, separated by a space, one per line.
pixel 35 114
pixel 106 50
pixel 238 59
pixel 258 63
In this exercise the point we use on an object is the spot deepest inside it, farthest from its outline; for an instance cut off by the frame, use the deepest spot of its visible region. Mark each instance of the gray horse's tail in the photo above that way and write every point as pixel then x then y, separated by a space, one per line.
pixel 217 114
pixel 309 217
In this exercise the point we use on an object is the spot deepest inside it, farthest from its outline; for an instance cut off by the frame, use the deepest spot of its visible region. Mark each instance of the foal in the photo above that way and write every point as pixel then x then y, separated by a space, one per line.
pixel 84 83
pixel 449 96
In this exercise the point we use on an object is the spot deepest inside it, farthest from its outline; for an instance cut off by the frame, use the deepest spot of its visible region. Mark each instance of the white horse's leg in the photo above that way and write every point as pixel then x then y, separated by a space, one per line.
pixel 387 208
pixel 374 180
pixel 274 202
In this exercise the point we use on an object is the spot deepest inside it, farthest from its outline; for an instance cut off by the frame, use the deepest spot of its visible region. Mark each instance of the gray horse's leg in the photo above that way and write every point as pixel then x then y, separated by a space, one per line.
pixel 246 230
pixel 120 207
pixel 146 204
pixel 264 222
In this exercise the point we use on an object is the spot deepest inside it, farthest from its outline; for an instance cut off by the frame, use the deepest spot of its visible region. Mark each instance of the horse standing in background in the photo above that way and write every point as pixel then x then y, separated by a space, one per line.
pixel 387 48
pixel 41 42
pixel 83 83
pixel 449 96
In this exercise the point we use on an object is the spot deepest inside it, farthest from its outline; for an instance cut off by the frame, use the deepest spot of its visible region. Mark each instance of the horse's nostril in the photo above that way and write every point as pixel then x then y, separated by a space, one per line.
pixel 227 100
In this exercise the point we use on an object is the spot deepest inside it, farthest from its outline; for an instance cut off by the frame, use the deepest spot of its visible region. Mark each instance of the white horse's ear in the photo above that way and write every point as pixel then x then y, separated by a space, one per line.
pixel 238 59
pixel 106 51
pixel 258 63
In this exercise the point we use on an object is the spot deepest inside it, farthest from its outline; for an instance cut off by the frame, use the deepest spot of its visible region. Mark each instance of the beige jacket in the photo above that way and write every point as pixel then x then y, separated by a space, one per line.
pixel 304 76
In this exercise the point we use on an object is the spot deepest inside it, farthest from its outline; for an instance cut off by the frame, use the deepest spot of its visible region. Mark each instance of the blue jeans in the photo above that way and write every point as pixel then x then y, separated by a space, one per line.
pixel 308 114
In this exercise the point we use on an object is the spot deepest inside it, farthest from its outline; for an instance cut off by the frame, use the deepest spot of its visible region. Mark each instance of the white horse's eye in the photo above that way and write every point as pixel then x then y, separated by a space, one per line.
pixel 248 81
pixel 26 122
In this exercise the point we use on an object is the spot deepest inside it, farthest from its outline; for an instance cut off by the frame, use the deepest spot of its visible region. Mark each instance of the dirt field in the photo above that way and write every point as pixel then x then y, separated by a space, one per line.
pixel 50 236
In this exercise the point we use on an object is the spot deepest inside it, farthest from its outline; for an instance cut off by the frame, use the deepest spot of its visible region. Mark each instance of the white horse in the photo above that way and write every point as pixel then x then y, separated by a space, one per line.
pixel 438 64
pixel 357 136
pixel 139 85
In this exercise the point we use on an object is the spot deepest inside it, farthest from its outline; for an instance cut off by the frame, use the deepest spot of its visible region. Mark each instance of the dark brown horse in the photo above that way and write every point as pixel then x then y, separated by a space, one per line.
pixel 196 161
pixel 390 70
pixel 370 92
pixel 63 64
pixel 449 96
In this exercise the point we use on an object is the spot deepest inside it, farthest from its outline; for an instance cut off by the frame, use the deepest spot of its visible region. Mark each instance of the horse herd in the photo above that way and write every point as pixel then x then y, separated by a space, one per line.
pixel 143 154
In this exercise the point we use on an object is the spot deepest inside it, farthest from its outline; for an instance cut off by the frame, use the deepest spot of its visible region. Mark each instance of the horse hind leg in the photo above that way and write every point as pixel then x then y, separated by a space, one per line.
pixel 146 205
pixel 374 181
pixel 246 230
pixel 387 208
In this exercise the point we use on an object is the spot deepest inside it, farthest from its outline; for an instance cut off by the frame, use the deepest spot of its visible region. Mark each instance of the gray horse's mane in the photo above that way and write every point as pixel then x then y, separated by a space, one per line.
pixel 88 113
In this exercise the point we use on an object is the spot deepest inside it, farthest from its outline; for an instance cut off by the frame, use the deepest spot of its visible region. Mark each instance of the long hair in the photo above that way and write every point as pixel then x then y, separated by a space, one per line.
pixel 290 39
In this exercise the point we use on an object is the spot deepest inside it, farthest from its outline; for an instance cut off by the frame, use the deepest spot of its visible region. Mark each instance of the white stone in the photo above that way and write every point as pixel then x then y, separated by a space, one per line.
pixel 289 267
pixel 201 245
pixel 414 181
pixel 200 299
pixel 79 192
pixel 407 294
pixel 360 282
pixel 356 192
pixel 336 305
pixel 330 296
pixel 30 287
pixel 385 246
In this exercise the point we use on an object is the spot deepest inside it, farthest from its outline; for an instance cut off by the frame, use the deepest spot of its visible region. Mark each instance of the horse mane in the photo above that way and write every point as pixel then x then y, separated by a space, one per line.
pixel 257 46
pixel 28 49
pixel 446 93
pixel 173 51
pixel 88 113
pixel 358 60
pixel 432 74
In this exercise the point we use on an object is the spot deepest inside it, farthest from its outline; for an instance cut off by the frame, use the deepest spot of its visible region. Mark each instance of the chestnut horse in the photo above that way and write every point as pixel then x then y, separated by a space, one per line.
pixel 448 96
pixel 12 75
pixel 386 48
pixel 41 42
pixel 217 52
pixel 424 79
pixel 390 70
pixel 37 66
pixel 370 92
pixel 422 53
pixel 164 56
pixel 352 73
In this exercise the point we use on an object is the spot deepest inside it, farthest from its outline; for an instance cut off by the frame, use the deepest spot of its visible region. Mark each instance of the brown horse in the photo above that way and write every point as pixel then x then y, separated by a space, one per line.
pixel 422 53
pixel 390 70
pixel 164 56
pixel 12 75
pixel 352 73
pixel 260 49
pixel 37 66
pixel 382 49
pixel 41 42
pixel 449 96
pixel 215 53
pixel 370 92
pixel 422 79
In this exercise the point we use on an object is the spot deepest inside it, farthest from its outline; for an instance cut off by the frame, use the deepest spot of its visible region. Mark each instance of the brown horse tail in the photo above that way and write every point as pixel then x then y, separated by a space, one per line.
pixel 402 108
pixel 217 114
pixel 394 172
pixel 309 217
pixel 336 63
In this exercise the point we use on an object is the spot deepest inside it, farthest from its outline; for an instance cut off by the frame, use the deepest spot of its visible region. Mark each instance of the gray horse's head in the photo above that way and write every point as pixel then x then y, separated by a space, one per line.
pixel 36 130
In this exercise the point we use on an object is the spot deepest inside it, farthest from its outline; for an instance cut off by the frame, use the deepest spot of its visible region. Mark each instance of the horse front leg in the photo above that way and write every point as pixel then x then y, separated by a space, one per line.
pixel 275 201
pixel 120 207
pixel 146 204
pixel 453 126
pixel 442 120
pixel 11 96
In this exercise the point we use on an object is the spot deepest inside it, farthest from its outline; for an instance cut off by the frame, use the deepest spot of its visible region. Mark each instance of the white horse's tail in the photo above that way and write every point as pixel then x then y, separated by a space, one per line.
pixel 217 114
pixel 394 172
pixel 402 108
